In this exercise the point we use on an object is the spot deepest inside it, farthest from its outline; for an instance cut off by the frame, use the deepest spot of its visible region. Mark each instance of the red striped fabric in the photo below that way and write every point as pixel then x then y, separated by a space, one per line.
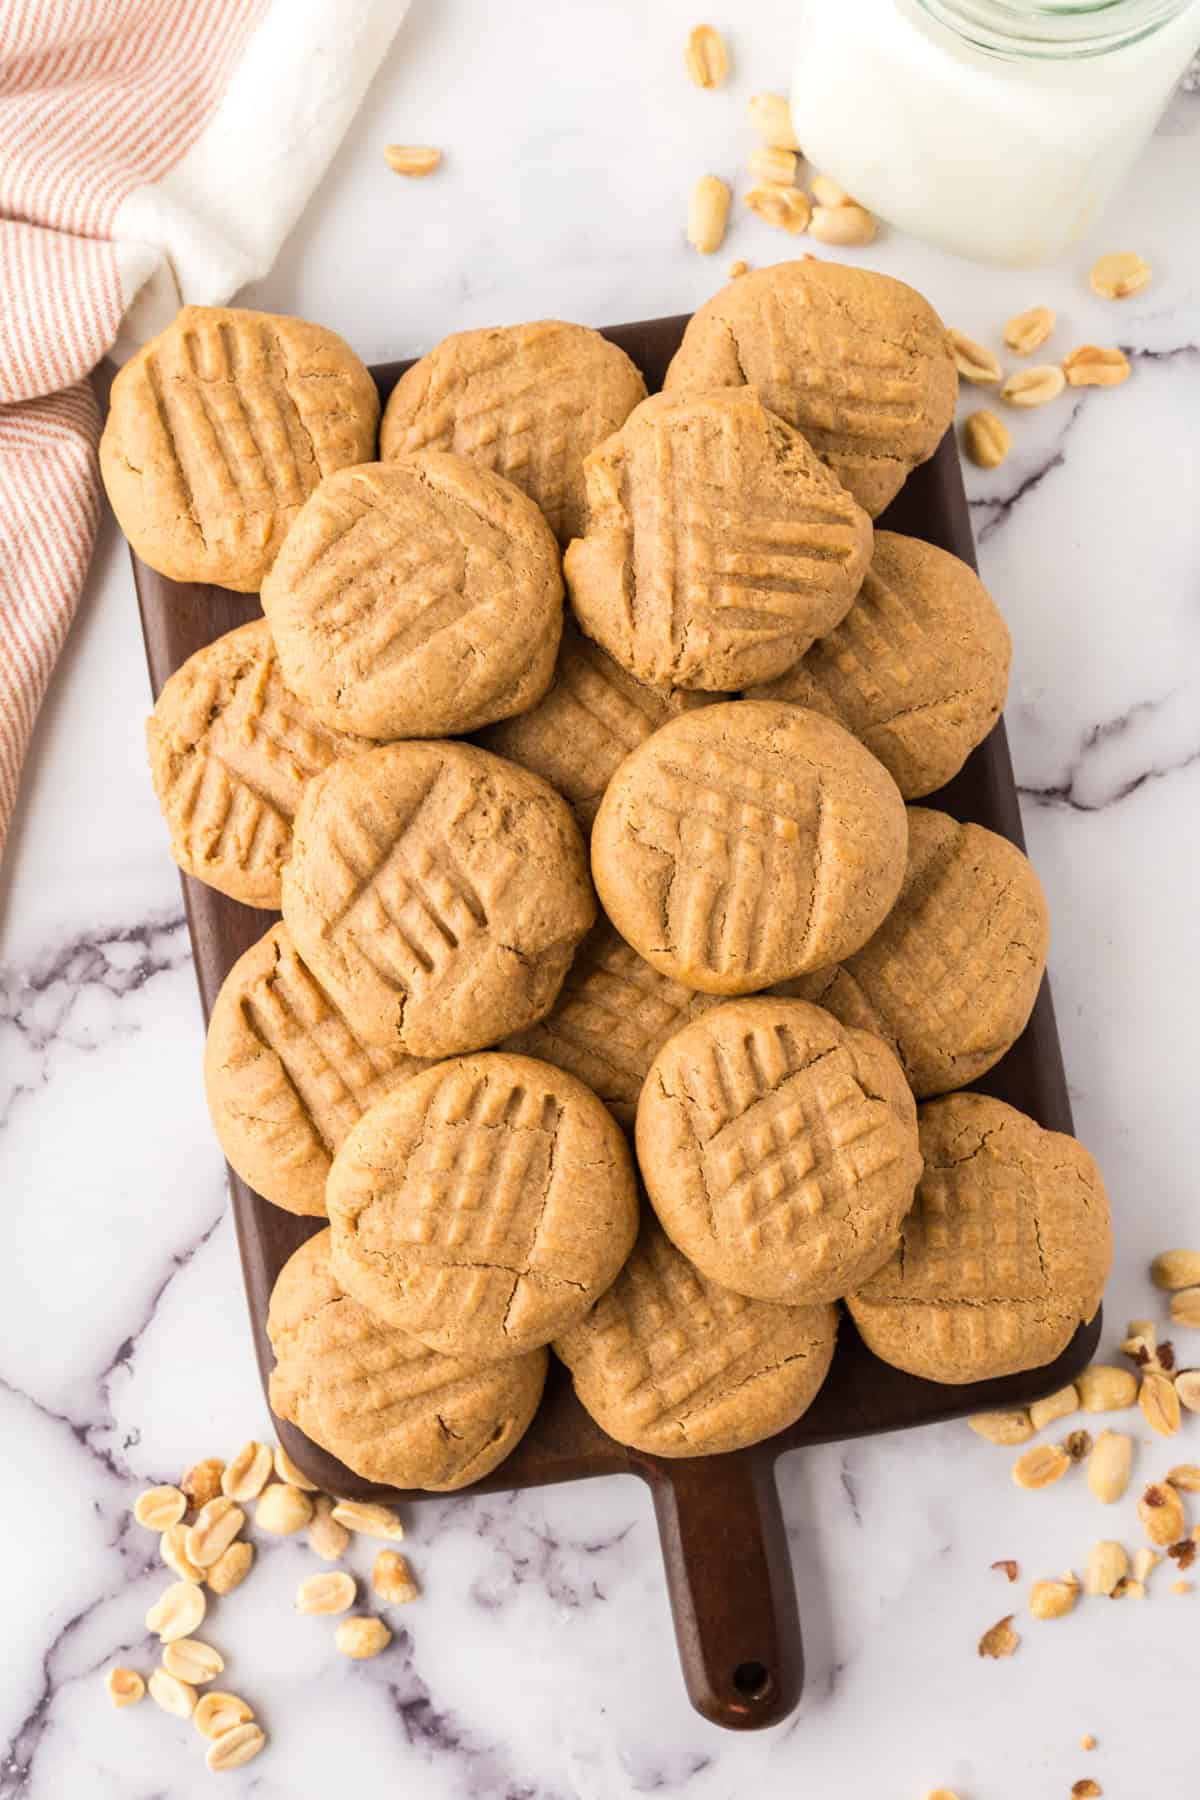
pixel 97 98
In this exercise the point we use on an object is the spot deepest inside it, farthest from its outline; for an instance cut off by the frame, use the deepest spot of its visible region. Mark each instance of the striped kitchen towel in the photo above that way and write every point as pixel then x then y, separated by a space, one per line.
pixel 152 152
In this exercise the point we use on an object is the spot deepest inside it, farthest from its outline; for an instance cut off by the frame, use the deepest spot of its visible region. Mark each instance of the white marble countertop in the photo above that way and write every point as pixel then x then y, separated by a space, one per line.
pixel 540 1661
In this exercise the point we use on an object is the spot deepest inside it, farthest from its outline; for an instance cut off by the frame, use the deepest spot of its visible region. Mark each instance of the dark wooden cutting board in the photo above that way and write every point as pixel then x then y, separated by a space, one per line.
pixel 725 1551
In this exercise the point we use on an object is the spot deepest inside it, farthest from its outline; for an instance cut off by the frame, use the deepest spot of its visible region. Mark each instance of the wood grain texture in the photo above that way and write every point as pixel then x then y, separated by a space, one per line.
pixel 724 1545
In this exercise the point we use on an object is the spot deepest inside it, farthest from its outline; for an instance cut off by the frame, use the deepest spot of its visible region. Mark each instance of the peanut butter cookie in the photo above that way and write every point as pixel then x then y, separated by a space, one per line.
pixel 747 839
pixel 950 978
pixel 483 1205
pixel 218 431
pixel 917 669
pixel 717 547
pixel 857 361
pixel 594 713
pixel 285 1075
pixel 392 1410
pixel 1003 1256
pixel 613 1015
pixel 528 401
pixel 779 1149
pixel 671 1363
pixel 230 750
pixel 437 893
pixel 420 598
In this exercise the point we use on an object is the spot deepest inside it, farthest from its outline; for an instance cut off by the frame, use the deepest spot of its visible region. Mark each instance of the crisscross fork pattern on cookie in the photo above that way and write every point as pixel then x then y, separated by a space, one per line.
pixel 973 1234
pixel 851 389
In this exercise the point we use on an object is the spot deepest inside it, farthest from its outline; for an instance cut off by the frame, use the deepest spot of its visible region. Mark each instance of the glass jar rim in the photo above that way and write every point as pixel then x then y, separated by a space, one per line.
pixel 1052 29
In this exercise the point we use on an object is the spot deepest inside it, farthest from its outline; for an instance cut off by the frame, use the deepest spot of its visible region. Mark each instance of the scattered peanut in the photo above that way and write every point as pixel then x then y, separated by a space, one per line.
pixel 368 1518
pixel 412 159
pixel 1002 1427
pixel 828 193
pixel 1028 331
pixel 216 1713
pixel 332 1591
pixel 1008 1568
pixel 1054 1406
pixel 973 361
pixel 986 440
pixel 1129 1590
pixel 1187 1386
pixel 1176 1269
pixel 771 118
pixel 362 1637
pixel 1087 1741
pixel 202 1482
pixel 1119 274
pixel 1000 1639
pixel 1086 1789
pixel 705 57
pixel 159 1508
pixel 1038 1467
pixel 848 225
pixel 283 1509
pixel 287 1471
pixel 174 1696
pixel 217 1524
pixel 1093 366
pixel 326 1537
pixel 738 268
pixel 1145 1560
pixel 786 207
pixel 708 214
pixel 1181 1587
pixel 1107 1562
pixel 1160 1404
pixel 191 1661
pixel 1161 1511
pixel 1185 1478
pixel 246 1476
pixel 1144 1329
pixel 1052 1599
pixel 766 163
pixel 393 1579
pixel 177 1611
pixel 1034 387
pixel 235 1747
pixel 172 1548
pixel 1139 1349
pixel 231 1567
pixel 1106 1389
pixel 1109 1466
pixel 1185 1307
pixel 125 1686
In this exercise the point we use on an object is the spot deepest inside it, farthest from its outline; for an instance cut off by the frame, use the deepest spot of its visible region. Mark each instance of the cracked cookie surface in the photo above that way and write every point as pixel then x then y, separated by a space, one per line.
pixel 917 669
pixel 418 598
pixel 483 1205
pixel 746 840
pixel 857 361
pixel 391 1409
pixel 1004 1254
pixel 437 893
pixel 670 1362
pixel 779 1149
pixel 218 431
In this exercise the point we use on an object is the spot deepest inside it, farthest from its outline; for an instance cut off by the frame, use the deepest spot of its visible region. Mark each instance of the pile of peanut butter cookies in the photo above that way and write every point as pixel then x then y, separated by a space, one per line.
pixel 613 962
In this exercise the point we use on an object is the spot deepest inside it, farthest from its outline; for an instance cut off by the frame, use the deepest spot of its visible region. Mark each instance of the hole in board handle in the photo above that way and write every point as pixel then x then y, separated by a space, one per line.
pixel 752 1679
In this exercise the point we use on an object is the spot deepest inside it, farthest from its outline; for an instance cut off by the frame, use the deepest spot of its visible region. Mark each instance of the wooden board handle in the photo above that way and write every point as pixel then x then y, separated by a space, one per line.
pixel 729 1577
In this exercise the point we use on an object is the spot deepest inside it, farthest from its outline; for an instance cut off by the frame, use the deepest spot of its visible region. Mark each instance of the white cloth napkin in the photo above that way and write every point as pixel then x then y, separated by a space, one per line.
pixel 152 153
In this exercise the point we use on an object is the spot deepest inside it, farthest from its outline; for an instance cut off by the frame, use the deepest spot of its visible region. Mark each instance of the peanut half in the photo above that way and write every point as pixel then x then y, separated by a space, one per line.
pixel 191 1661
pixel 1028 331
pixel 216 1713
pixel 370 1519
pixel 973 361
pixel 362 1637
pixel 705 57
pixel 172 1546
pixel 332 1591
pixel 1093 366
pixel 1109 1466
pixel 1107 1562
pixel 708 214
pixel 159 1507
pixel 1054 1406
pixel 216 1526
pixel 1187 1386
pixel 231 1567
pixel 1052 1599
pixel 283 1509
pixel 1105 1389
pixel 1176 1269
pixel 1034 387
pixel 828 193
pixel 786 207
pixel 1039 1467
pixel 1119 274
pixel 771 118
pixel 177 1611
pixel 1161 1511
pixel 125 1686
pixel 1185 1308
pixel 393 1579
pixel 412 159
pixel 233 1748
pixel 247 1475
pixel 850 225
pixel 766 163
pixel 174 1696
pixel 1002 1427
pixel 986 439
pixel 326 1537
pixel 1160 1404
pixel 287 1471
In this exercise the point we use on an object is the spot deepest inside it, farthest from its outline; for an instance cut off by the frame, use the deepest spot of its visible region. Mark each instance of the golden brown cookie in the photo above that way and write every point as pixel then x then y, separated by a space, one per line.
pixel 917 669
pixel 747 839
pixel 389 1408
pixel 285 1075
pixel 218 431
pixel 950 978
pixel 611 1018
pixel 417 599
pixel 230 751
pixel 594 713
pixel 1003 1256
pixel 855 360
pixel 779 1149
pixel 437 893
pixel 528 401
pixel 671 1363
pixel 483 1205
pixel 717 547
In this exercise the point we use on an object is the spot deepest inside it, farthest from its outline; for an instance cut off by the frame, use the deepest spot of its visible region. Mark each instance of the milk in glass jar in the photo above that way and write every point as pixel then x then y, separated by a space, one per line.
pixel 997 128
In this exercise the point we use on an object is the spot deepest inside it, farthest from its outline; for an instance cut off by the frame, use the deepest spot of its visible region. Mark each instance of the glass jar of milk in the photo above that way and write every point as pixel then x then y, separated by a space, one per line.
pixel 997 128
